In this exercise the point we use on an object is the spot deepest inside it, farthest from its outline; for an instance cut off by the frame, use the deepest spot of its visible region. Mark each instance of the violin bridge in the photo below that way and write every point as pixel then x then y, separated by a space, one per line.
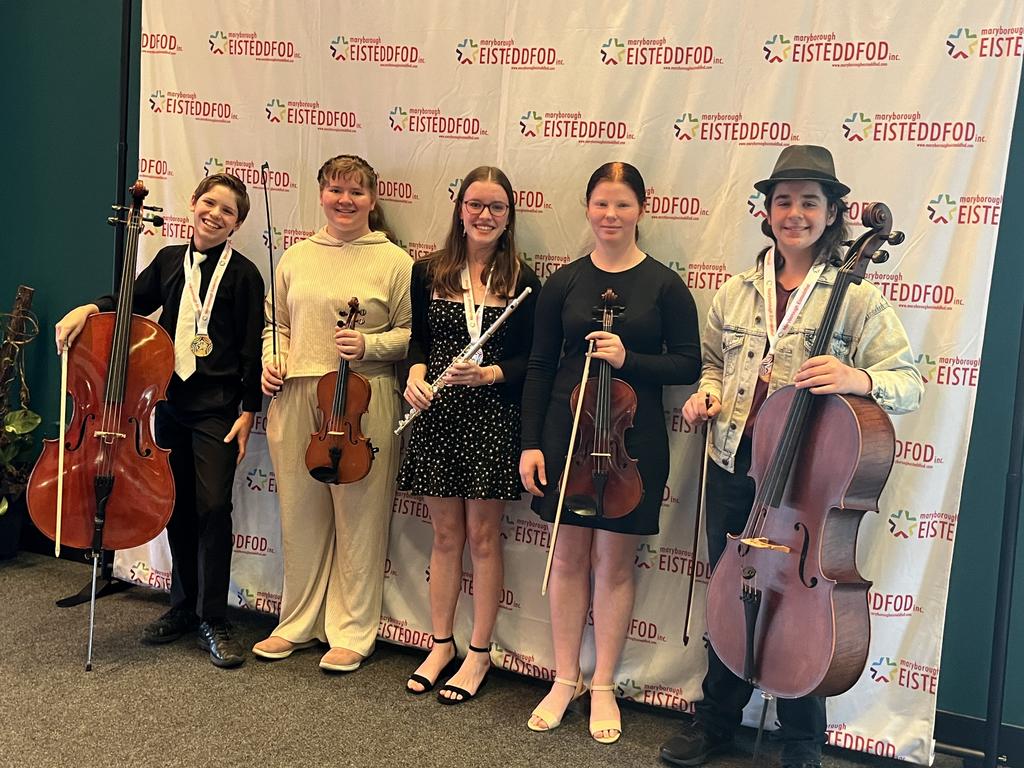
pixel 109 437
pixel 763 543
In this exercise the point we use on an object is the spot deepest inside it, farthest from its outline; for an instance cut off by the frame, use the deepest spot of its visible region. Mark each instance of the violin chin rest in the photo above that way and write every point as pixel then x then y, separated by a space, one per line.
pixel 324 474
pixel 584 506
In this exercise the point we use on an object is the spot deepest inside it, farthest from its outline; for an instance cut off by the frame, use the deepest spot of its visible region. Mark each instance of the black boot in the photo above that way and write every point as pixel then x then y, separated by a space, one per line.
pixel 215 637
pixel 694 745
pixel 169 627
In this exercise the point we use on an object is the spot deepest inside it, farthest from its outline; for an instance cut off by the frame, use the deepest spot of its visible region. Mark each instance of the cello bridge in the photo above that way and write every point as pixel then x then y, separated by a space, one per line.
pixel 108 437
pixel 335 434
pixel 762 543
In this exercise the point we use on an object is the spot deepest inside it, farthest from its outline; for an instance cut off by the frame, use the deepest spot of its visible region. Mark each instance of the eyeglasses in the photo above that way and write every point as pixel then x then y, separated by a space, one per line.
pixel 496 209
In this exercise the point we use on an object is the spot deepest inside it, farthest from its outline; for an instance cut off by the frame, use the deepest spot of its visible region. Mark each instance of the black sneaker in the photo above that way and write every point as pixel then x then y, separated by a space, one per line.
pixel 694 745
pixel 169 627
pixel 215 637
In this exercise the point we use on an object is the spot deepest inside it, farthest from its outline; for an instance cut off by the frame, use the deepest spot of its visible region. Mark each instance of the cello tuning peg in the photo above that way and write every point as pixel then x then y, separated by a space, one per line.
pixel 114 221
pixel 117 207
pixel 895 238
pixel 153 208
pixel 156 221
pixel 880 257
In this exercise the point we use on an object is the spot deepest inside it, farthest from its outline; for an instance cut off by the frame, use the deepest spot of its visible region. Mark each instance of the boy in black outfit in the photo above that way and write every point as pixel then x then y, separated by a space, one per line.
pixel 215 318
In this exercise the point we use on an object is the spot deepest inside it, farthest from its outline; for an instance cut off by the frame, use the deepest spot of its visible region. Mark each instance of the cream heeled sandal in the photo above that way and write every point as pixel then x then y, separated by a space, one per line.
pixel 550 719
pixel 596 726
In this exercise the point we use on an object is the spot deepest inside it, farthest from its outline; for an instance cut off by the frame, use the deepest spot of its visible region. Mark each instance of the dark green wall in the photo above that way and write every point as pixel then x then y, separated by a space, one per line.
pixel 60 64
pixel 963 684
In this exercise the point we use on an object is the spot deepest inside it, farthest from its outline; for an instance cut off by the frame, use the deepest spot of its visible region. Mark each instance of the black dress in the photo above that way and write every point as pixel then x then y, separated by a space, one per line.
pixel 660 334
pixel 466 444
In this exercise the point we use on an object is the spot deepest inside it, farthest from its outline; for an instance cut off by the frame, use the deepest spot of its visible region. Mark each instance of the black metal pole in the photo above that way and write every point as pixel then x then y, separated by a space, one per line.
pixel 121 180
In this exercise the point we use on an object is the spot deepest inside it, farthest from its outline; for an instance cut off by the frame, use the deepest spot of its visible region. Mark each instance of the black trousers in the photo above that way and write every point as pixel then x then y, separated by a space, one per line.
pixel 199 531
pixel 802 721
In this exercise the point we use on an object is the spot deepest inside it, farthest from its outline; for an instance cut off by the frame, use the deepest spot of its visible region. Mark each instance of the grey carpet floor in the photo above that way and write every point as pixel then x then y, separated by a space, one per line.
pixel 168 706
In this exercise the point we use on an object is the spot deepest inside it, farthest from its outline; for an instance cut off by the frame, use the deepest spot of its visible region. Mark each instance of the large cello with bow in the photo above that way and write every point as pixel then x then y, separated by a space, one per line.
pixel 106 484
pixel 787 609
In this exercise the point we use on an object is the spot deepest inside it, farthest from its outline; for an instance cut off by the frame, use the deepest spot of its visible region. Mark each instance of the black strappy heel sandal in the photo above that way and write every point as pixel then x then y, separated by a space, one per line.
pixel 428 685
pixel 466 695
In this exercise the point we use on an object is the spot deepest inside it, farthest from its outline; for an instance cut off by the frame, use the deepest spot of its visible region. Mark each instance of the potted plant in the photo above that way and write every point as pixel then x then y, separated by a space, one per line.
pixel 16 452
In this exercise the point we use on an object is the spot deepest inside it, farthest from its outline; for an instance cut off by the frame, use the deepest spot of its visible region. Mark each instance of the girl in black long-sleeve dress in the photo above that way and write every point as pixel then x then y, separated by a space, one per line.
pixel 652 344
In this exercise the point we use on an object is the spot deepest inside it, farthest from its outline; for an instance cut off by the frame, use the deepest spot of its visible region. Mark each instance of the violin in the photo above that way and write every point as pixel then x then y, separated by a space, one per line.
pixel 118 491
pixel 603 479
pixel 339 452
pixel 787 609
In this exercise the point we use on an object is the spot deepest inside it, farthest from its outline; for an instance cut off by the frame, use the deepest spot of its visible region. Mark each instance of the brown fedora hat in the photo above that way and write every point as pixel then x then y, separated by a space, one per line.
pixel 804 162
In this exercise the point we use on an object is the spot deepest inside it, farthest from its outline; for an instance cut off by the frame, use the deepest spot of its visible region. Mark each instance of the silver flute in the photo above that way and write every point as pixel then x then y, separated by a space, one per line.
pixel 465 354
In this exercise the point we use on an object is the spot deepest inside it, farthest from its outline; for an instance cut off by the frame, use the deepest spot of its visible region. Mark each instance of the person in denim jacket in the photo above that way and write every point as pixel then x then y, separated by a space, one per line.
pixel 758 338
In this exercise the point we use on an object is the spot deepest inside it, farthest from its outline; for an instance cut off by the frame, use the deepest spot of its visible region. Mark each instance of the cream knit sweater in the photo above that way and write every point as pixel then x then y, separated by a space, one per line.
pixel 316 278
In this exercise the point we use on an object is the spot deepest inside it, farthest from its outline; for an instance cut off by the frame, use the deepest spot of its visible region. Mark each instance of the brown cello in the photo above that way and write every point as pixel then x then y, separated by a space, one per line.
pixel 118 488
pixel 787 608
pixel 339 452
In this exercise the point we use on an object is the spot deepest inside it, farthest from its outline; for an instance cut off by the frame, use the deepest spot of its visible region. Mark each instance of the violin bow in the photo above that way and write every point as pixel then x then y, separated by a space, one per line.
pixel 565 470
pixel 265 174
pixel 701 488
pixel 60 449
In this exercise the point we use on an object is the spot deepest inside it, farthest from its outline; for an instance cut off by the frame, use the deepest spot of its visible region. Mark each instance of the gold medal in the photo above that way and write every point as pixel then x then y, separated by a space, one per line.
pixel 202 345
pixel 764 371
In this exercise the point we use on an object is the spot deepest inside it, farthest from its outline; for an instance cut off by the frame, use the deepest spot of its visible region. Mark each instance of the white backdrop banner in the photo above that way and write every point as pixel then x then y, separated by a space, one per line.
pixel 917 110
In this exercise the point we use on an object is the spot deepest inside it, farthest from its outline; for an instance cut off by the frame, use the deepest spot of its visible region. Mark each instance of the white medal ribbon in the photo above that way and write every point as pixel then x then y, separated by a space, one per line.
pixel 474 318
pixel 796 303
pixel 205 309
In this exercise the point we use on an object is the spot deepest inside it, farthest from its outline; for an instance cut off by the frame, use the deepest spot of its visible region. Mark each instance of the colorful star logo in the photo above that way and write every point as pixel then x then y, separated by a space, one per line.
pixel 777 49
pixel 686 127
pixel 856 127
pixel 882 669
pixel 755 206
pixel 926 366
pixel 256 479
pixel 962 43
pixel 277 238
pixel 942 209
pixel 275 110
pixel 645 556
pixel 213 166
pixel 399 119
pixel 611 51
pixel 453 189
pixel 339 48
pixel 902 524
pixel 218 43
pixel 628 689
pixel 530 124
pixel 245 598
pixel 466 51
pixel 156 101
pixel 139 572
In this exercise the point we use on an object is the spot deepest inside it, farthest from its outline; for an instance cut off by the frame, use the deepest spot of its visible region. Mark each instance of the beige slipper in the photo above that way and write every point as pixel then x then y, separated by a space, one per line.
pixel 275 648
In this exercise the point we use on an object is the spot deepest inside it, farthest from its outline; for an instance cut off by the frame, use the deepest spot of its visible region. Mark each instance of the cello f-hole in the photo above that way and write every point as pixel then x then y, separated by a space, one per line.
pixel 143 452
pixel 81 434
pixel 803 556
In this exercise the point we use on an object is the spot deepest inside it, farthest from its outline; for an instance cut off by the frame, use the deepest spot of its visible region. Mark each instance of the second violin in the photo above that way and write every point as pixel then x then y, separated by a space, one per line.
pixel 602 478
pixel 339 452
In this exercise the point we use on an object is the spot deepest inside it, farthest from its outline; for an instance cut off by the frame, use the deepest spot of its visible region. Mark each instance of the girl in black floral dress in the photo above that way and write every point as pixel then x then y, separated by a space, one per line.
pixel 463 452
